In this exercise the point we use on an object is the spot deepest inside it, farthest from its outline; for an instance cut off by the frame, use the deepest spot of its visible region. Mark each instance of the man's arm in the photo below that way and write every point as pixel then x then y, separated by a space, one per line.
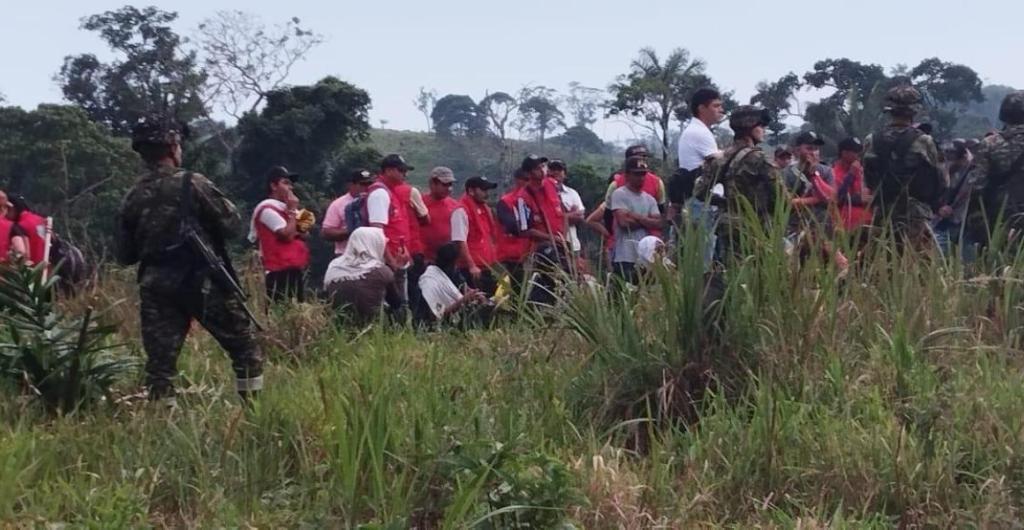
pixel 213 208
pixel 459 226
pixel 333 227
pixel 124 245
pixel 378 203
pixel 419 208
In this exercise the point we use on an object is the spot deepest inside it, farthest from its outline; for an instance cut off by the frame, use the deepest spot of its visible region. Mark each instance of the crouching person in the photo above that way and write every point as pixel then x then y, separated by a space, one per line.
pixel 446 303
pixel 358 281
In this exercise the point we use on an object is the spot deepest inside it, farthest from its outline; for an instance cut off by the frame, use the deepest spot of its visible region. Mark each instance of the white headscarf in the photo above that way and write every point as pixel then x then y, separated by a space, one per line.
pixel 647 250
pixel 364 253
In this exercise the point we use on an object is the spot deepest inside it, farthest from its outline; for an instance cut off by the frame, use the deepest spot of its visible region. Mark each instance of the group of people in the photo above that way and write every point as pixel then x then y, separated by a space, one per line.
pixel 447 258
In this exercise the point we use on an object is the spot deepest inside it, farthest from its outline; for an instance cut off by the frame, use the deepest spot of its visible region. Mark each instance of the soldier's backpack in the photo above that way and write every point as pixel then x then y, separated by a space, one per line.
pixel 890 174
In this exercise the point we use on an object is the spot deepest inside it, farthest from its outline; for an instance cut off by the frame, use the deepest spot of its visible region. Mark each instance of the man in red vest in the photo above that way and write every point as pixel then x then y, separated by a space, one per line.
pixel 33 228
pixel 388 208
pixel 473 228
pixel 511 249
pixel 13 239
pixel 539 207
pixel 282 244
pixel 440 206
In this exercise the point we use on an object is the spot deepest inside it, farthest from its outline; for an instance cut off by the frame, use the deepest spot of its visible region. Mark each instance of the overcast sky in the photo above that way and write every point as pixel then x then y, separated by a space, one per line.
pixel 391 48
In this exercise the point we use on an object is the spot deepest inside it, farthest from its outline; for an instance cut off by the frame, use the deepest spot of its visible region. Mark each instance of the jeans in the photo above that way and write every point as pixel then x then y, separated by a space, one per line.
pixel 705 218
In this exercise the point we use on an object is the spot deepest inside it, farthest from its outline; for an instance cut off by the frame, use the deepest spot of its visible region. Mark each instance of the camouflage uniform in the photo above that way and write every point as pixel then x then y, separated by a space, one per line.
pixel 903 172
pixel 173 289
pixel 1001 185
pixel 750 175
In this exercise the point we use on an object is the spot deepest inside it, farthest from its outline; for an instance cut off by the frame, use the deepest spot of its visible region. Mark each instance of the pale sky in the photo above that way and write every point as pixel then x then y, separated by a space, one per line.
pixel 391 48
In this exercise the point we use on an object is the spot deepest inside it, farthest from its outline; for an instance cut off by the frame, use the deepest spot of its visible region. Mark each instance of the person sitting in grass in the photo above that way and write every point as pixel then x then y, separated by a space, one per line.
pixel 359 280
pixel 444 302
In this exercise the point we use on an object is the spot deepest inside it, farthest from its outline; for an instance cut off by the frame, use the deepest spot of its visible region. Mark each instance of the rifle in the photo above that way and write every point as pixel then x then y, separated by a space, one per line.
pixel 215 266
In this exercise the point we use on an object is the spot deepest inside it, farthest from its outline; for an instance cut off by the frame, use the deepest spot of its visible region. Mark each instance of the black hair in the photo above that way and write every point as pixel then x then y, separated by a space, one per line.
pixel 447 255
pixel 703 96
pixel 153 153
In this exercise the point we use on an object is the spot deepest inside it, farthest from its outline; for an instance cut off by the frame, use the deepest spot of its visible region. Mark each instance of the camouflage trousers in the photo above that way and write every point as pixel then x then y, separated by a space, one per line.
pixel 166 318
pixel 912 228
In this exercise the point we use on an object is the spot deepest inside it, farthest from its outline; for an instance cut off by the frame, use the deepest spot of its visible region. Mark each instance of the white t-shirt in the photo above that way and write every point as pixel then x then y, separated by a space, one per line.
pixel 695 144
pixel 570 200
pixel 267 217
pixel 378 205
pixel 460 225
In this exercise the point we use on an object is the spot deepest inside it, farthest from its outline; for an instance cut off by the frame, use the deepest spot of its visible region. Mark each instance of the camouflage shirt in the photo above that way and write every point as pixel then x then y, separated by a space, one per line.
pixel 994 178
pixel 150 214
pixel 907 186
pixel 750 175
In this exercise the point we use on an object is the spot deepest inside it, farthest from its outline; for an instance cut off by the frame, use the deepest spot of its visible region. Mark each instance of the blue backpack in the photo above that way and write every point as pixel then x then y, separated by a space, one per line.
pixel 355 214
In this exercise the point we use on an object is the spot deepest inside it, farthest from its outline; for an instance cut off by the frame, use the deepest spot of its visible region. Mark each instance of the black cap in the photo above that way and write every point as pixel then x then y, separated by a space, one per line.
pixel 851 144
pixel 360 176
pixel 394 160
pixel 637 164
pixel 480 183
pixel 557 165
pixel 809 138
pixel 637 150
pixel 782 152
pixel 925 127
pixel 520 174
pixel 278 173
pixel 532 162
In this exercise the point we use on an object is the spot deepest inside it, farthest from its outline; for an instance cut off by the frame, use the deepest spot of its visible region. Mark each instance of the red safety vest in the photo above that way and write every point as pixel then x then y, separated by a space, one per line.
pixel 5 238
pixel 546 213
pixel 510 248
pixel 397 229
pixel 481 231
pixel 438 231
pixel 35 227
pixel 279 255
pixel 404 193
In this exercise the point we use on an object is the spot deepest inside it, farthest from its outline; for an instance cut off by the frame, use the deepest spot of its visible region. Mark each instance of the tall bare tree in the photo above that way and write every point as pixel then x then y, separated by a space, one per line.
pixel 425 102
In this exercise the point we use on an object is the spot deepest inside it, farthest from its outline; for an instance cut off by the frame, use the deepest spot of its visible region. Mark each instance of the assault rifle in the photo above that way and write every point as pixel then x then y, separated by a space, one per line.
pixel 219 271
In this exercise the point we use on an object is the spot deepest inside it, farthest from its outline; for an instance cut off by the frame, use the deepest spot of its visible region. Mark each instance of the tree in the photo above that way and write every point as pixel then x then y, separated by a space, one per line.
pixel 583 103
pixel 499 108
pixel 653 91
pixel 425 102
pixel 301 127
pixel 778 98
pixel 68 166
pixel 245 60
pixel 150 75
pixel 538 112
pixel 458 115
pixel 947 88
pixel 579 139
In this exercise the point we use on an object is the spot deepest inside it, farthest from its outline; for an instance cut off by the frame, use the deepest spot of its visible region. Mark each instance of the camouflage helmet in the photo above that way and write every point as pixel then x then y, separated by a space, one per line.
pixel 157 130
pixel 747 117
pixel 903 97
pixel 1012 109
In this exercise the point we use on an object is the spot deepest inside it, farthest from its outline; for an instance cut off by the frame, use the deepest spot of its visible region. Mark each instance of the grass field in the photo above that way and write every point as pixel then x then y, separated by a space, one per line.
pixel 892 397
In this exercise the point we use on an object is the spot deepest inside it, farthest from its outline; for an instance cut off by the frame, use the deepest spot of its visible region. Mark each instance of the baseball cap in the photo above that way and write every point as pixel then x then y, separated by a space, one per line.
pixel 360 176
pixel 636 164
pixel 851 144
pixel 637 150
pixel 520 174
pixel 809 138
pixel 557 165
pixel 442 174
pixel 278 173
pixel 480 183
pixel 394 160
pixel 532 162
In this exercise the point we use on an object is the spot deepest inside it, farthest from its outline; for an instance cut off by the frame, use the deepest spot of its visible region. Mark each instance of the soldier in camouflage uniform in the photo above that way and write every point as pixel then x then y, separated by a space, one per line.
pixel 746 172
pixel 903 172
pixel 999 173
pixel 174 288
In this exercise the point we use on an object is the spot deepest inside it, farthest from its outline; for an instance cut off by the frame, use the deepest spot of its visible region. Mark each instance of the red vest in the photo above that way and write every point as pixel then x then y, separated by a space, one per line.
pixel 509 247
pixel 481 230
pixel 397 229
pixel 438 232
pixel 279 255
pixel 35 227
pixel 5 238
pixel 546 213
pixel 404 193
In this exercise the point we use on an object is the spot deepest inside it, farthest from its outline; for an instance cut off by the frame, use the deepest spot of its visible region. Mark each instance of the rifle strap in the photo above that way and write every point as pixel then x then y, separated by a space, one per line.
pixel 741 154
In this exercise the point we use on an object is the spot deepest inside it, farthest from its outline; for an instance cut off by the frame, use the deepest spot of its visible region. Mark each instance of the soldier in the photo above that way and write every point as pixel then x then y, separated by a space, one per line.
pixel 999 172
pixel 174 286
pixel 902 168
pixel 746 172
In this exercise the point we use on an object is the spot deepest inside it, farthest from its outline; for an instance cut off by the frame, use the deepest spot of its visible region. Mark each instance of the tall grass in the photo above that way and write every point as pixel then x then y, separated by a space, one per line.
pixel 784 395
